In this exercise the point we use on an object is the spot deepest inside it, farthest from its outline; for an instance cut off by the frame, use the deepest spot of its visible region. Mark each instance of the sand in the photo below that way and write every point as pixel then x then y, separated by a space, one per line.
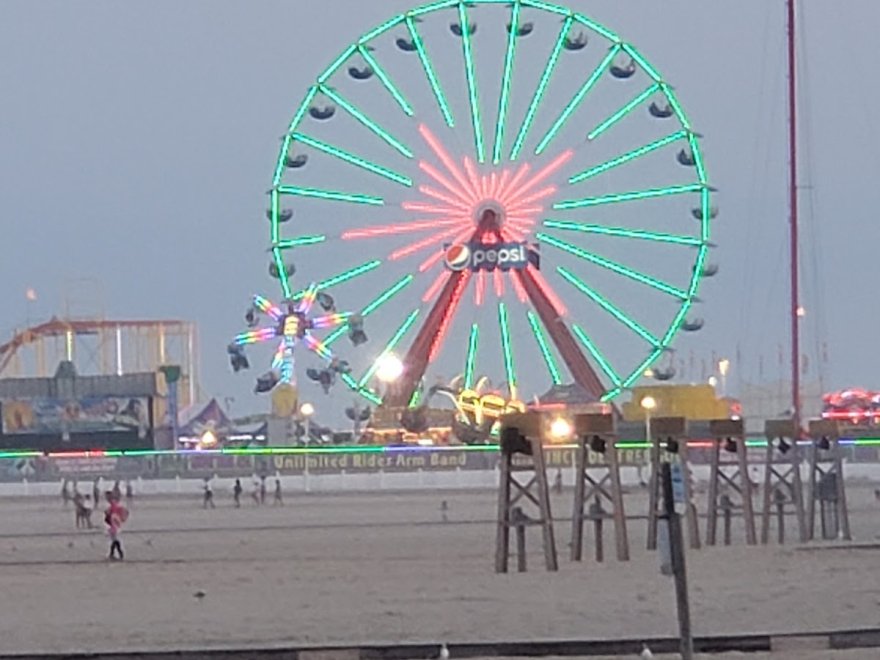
pixel 384 568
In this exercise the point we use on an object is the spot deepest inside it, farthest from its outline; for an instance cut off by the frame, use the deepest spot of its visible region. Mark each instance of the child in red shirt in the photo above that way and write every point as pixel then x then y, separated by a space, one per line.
pixel 114 518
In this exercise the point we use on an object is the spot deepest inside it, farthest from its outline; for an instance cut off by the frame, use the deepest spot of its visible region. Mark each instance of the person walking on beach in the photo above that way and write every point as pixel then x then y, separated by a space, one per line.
pixel 114 518
pixel 96 491
pixel 255 493
pixel 278 501
pixel 208 500
pixel 236 493
pixel 65 492
pixel 129 493
pixel 262 489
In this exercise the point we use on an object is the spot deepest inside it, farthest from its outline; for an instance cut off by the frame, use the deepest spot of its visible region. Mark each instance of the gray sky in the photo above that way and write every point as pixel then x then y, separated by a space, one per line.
pixel 137 142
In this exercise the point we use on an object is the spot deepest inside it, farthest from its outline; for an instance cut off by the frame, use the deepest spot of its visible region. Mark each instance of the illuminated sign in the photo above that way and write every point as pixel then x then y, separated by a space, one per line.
pixel 479 407
pixel 478 256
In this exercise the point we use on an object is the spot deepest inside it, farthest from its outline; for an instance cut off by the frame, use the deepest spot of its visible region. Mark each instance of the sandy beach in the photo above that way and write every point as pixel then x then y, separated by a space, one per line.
pixel 385 568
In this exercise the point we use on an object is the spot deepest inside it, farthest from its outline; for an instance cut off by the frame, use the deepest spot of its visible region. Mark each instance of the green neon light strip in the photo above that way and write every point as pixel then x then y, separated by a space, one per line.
pixel 608 396
pixel 676 107
pixel 331 195
pixel 395 339
pixel 372 34
pixel 707 209
pixel 623 112
pixel 613 266
pixel 429 72
pixel 373 63
pixel 282 273
pixel 549 68
pixel 624 233
pixel 380 132
pixel 338 62
pixel 607 306
pixel 597 355
pixel 354 160
pixel 628 196
pixel 698 269
pixel 434 6
pixel 471 359
pixel 383 297
pixel 505 83
pixel 472 82
pixel 344 277
pixel 300 113
pixel 415 398
pixel 299 241
pixel 275 209
pixel 369 395
pixel 642 62
pixel 508 353
pixel 676 322
pixel 578 98
pixel 545 348
pixel 605 32
pixel 640 370
pixel 698 157
pixel 546 6
pixel 627 157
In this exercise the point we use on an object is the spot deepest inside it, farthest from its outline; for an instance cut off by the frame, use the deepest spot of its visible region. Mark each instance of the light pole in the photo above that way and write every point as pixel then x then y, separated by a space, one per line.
pixel 306 411
pixel 648 404
pixel 723 368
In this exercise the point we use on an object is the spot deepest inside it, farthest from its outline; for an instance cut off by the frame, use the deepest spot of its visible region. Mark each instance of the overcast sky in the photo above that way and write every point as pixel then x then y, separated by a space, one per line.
pixel 138 139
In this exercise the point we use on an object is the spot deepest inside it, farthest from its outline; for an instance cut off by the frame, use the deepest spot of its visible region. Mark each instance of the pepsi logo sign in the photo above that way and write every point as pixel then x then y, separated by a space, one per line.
pixel 458 256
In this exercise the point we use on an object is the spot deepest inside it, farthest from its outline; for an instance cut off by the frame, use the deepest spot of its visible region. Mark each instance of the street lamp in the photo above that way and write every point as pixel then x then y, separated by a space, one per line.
pixel 306 411
pixel 723 368
pixel 560 429
pixel 388 368
pixel 648 404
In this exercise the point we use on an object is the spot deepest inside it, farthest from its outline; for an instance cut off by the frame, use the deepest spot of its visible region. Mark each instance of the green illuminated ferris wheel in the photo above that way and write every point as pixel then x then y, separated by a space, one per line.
pixel 499 188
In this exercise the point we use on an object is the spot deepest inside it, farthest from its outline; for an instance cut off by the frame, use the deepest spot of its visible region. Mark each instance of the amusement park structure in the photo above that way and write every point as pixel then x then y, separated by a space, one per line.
pixel 559 220
pixel 104 348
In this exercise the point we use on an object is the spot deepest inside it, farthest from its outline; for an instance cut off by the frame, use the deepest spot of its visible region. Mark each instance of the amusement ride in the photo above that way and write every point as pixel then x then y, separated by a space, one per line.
pixel 499 191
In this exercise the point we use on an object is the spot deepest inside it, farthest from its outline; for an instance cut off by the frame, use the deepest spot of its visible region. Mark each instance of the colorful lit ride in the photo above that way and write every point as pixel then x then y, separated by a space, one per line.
pixel 856 406
pixel 489 214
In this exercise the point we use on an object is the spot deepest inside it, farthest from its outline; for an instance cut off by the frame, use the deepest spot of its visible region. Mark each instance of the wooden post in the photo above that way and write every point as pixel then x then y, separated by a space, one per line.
pixel 728 436
pixel 826 469
pixel 669 444
pixel 523 453
pixel 782 478
pixel 596 437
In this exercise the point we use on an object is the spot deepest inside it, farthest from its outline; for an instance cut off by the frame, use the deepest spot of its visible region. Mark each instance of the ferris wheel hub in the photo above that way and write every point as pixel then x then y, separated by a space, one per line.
pixel 489 214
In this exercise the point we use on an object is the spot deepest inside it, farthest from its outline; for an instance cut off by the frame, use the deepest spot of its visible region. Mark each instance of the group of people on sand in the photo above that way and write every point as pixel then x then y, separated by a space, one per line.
pixel 258 492
pixel 115 515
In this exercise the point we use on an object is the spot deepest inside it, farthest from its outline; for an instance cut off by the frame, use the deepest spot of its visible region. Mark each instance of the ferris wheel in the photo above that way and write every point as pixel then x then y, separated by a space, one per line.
pixel 493 188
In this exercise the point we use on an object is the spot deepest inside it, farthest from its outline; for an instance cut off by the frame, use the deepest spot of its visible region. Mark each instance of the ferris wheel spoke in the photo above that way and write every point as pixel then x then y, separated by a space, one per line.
pixel 386 81
pixel 442 197
pixel 365 121
pixel 438 176
pixel 540 176
pixel 345 276
pixel 628 196
pixel 418 246
pixel 283 278
pixel 507 349
pixel 444 157
pixel 608 306
pixel 350 158
pixel 470 73
pixel 480 289
pixel 627 157
pixel 448 315
pixel 546 353
pixel 390 346
pixel 521 293
pixel 332 195
pixel 498 282
pixel 300 241
pixel 613 266
pixel 623 112
pixel 431 261
pixel 622 232
pixel 471 359
pixel 549 68
pixel 504 101
pixel 600 359
pixel 578 98
pixel 372 306
pixel 397 228
pixel 429 72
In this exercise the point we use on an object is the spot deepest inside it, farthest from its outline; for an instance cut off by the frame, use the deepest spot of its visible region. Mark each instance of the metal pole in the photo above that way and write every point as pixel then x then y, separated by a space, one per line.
pixel 794 255
pixel 679 570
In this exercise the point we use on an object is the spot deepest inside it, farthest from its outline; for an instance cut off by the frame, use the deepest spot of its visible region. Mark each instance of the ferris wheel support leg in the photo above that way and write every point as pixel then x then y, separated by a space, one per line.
pixel 416 361
pixel 584 374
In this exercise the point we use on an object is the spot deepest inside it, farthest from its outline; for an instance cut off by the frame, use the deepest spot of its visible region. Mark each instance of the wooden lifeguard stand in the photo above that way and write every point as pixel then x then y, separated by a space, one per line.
pixel 827 483
pixel 522 453
pixel 728 439
pixel 783 488
pixel 596 437
pixel 669 445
